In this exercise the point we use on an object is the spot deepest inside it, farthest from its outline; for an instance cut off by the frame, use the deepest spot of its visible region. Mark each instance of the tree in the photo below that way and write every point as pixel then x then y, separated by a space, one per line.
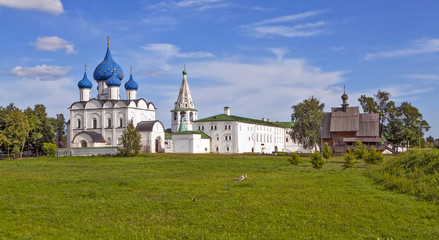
pixel 317 161
pixel 49 149
pixel 14 127
pixel 360 150
pixel 378 104
pixel 41 131
pixel 327 153
pixel 295 159
pixel 58 125
pixel 308 118
pixel 130 141
pixel 349 160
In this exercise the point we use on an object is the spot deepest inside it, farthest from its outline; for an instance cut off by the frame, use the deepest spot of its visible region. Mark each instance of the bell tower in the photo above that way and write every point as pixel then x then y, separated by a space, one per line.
pixel 184 107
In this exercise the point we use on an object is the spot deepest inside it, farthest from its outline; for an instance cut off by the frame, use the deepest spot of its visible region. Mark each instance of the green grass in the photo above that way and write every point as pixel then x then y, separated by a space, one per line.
pixel 414 172
pixel 194 196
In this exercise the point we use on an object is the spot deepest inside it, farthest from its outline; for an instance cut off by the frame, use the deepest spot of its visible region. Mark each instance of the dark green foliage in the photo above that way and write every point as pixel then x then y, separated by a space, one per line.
pixel 317 161
pixel 349 160
pixel 360 150
pixel 130 141
pixel 307 117
pixel 14 129
pixel 373 156
pixel 41 129
pixel 327 153
pixel 59 126
pixel 415 172
pixel 49 149
pixel 295 159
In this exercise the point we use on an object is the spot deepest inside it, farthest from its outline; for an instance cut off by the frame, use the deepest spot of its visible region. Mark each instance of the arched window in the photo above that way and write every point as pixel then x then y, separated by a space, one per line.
pixel 191 116
pixel 109 122
pixel 95 123
pixel 175 116
pixel 83 143
pixel 120 122
pixel 79 123
pixel 108 141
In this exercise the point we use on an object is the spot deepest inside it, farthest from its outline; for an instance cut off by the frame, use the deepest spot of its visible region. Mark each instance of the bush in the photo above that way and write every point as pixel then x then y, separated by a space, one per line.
pixel 317 160
pixel 349 160
pixel 49 149
pixel 326 151
pixel 373 156
pixel 360 150
pixel 295 159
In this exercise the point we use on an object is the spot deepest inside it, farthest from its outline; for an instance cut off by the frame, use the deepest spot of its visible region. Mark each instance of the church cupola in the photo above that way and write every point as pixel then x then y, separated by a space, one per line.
pixel 344 97
pixel 184 106
pixel 131 87
pixel 113 84
pixel 85 86
pixel 105 70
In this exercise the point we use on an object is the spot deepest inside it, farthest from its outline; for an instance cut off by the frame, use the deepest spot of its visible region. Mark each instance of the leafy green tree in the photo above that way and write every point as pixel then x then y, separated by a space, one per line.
pixel 59 127
pixel 327 153
pixel 317 161
pixel 308 118
pixel 49 149
pixel 41 130
pixel 373 156
pixel 130 141
pixel 14 127
pixel 349 160
pixel 295 159
pixel 360 150
pixel 380 103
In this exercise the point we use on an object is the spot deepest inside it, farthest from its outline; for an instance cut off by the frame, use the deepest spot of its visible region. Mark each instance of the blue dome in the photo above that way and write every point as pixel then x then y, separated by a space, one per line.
pixel 105 69
pixel 113 81
pixel 85 83
pixel 131 84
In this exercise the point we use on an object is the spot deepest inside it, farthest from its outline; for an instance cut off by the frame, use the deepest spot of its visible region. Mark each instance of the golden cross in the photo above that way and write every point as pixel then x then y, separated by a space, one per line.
pixel 108 39
pixel 131 69
pixel 85 66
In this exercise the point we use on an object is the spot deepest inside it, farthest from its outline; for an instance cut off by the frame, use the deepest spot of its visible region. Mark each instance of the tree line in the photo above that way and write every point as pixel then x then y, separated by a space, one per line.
pixel 29 129
pixel 401 125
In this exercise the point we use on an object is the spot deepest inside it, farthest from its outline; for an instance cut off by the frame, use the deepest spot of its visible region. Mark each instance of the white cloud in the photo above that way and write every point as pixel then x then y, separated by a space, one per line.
pixel 287 18
pixel 53 44
pixel 266 27
pixel 418 47
pixel 167 51
pixel 423 76
pixel 40 72
pixel 50 6
pixel 279 52
pixel 197 5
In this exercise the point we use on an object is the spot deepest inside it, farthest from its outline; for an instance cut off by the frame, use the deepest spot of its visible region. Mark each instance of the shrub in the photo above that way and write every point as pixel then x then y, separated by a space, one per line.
pixel 373 156
pixel 49 149
pixel 360 150
pixel 349 160
pixel 130 141
pixel 317 160
pixel 295 159
pixel 327 153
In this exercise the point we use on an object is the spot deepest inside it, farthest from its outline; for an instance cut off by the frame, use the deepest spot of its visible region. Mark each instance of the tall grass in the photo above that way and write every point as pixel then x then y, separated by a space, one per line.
pixel 414 172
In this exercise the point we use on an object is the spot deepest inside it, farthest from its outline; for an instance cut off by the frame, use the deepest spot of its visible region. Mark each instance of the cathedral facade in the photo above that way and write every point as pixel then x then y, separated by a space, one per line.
pixel 100 121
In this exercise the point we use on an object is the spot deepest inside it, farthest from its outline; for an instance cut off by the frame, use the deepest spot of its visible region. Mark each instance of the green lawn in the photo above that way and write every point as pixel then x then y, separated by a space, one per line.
pixel 166 196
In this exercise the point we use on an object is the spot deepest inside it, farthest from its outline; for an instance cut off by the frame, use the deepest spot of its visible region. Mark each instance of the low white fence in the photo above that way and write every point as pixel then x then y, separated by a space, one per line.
pixel 104 151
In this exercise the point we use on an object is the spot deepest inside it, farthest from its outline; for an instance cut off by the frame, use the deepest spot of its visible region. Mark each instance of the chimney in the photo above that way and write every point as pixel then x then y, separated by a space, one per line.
pixel 227 111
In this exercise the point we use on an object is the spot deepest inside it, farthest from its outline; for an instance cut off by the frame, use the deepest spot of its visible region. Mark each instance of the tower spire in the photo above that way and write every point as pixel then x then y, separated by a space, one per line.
pixel 108 40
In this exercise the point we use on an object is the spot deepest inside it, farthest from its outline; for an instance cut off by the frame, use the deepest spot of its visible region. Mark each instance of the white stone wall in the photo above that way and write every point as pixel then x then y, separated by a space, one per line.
pixel 190 143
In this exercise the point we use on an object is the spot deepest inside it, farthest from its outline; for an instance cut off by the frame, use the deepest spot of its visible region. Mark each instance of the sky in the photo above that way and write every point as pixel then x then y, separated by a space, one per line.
pixel 257 57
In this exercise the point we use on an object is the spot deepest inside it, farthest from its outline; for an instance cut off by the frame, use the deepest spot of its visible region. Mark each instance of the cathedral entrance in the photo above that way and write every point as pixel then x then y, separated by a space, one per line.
pixel 158 143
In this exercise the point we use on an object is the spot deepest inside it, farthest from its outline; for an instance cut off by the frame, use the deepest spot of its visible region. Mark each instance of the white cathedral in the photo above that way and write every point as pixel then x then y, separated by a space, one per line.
pixel 99 122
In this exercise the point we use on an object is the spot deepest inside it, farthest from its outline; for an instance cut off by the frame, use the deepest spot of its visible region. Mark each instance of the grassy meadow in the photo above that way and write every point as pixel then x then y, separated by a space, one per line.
pixel 172 196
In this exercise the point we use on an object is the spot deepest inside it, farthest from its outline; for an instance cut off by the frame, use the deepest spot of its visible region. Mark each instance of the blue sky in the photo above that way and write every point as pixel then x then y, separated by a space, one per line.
pixel 257 57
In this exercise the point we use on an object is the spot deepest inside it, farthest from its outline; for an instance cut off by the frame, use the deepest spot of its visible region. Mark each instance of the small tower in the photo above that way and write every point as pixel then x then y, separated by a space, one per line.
pixel 85 86
pixel 113 84
pixel 131 87
pixel 344 97
pixel 182 127
pixel 104 71
pixel 184 107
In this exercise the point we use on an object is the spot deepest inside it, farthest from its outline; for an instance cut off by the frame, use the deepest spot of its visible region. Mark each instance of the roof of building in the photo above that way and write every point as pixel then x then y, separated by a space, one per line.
pixel 96 137
pixel 326 133
pixel 184 96
pixel 146 126
pixel 345 121
pixel 102 101
pixel 203 135
pixel 224 117
pixel 363 139
pixel 113 81
pixel 105 69
pixel 85 83
pixel 369 125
